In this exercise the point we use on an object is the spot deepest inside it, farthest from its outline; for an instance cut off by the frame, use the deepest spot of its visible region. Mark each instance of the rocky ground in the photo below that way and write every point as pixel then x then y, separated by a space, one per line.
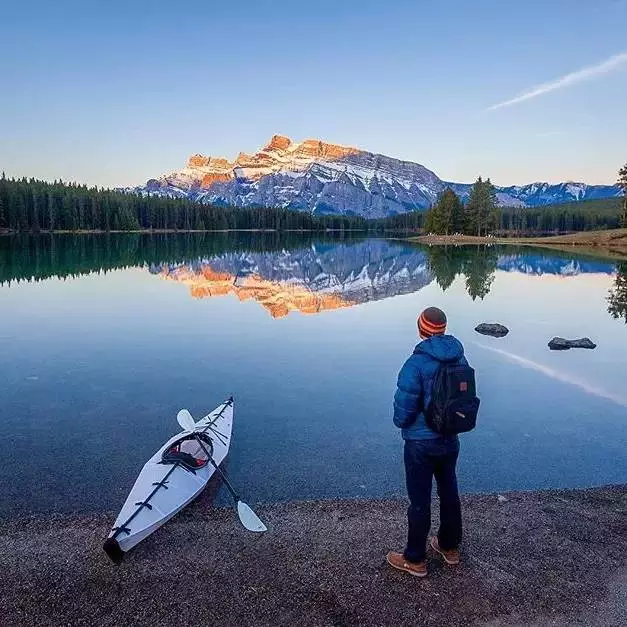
pixel 539 558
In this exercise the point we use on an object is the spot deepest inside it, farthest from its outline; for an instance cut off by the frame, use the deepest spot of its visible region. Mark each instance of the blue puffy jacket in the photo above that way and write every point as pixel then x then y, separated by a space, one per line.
pixel 415 384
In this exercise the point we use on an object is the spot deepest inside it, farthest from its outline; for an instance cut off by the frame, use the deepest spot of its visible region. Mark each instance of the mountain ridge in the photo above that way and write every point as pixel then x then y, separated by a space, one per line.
pixel 325 178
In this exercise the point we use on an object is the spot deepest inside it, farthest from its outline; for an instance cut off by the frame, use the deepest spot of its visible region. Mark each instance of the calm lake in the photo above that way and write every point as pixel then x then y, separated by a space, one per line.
pixel 104 338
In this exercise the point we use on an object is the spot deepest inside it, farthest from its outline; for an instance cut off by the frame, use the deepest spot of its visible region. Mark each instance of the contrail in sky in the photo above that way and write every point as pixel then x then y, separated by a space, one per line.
pixel 585 74
pixel 556 374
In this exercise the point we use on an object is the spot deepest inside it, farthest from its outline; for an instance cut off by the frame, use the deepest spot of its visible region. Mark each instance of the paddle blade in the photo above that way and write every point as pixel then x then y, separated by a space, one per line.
pixel 184 418
pixel 249 519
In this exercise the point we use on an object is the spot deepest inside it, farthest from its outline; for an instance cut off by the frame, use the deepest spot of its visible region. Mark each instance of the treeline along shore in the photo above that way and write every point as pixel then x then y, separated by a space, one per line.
pixel 34 206
pixel 482 215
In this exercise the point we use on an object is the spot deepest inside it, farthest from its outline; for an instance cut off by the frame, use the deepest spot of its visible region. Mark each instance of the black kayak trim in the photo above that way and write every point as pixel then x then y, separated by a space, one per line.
pixel 113 550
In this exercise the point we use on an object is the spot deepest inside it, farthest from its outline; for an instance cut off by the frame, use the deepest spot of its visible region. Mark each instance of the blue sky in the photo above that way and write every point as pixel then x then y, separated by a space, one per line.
pixel 113 93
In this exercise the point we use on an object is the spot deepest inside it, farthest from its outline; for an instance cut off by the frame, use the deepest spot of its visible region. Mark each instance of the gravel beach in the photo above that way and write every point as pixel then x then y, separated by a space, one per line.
pixel 531 558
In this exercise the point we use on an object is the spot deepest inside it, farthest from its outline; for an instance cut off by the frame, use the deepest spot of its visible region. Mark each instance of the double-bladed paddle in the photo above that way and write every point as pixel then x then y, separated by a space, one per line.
pixel 247 517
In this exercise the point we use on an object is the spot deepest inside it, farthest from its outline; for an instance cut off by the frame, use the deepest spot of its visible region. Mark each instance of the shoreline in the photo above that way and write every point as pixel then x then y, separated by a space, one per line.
pixel 611 244
pixel 541 557
pixel 616 237
pixel 173 231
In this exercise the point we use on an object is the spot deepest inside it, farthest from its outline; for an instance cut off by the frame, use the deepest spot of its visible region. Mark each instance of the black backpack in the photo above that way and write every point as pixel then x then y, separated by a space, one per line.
pixel 454 403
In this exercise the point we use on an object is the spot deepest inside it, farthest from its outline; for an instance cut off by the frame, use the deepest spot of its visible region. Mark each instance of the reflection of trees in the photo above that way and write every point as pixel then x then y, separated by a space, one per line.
pixel 477 263
pixel 445 263
pixel 479 271
pixel 37 257
pixel 617 300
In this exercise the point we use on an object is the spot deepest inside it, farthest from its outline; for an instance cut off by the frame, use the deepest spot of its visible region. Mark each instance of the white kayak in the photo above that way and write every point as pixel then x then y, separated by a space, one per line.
pixel 173 477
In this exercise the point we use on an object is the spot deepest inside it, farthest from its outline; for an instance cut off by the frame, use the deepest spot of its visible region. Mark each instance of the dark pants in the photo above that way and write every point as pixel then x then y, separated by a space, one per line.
pixel 425 459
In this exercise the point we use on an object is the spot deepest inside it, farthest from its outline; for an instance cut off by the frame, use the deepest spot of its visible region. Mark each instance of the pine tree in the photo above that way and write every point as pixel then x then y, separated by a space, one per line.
pixel 472 214
pixel 622 183
pixel 20 211
pixel 431 220
pixel 446 216
pixel 34 221
pixel 493 212
pixel 481 212
pixel 4 202
pixel 457 212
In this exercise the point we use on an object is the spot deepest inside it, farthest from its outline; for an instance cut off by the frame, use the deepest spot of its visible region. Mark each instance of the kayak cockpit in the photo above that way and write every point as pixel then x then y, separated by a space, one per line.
pixel 187 451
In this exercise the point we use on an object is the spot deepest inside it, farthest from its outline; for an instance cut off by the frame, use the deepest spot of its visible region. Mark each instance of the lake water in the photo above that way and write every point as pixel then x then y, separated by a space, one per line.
pixel 104 338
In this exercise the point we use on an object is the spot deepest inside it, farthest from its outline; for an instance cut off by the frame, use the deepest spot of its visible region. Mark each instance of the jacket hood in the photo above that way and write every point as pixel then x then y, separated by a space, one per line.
pixel 444 348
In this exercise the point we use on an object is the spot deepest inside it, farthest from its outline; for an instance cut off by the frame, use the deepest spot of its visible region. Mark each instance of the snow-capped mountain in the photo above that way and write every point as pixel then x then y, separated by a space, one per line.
pixel 326 178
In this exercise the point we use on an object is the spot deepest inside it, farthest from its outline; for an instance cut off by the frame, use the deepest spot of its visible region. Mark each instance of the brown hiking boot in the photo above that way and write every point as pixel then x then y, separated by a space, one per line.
pixel 450 557
pixel 398 561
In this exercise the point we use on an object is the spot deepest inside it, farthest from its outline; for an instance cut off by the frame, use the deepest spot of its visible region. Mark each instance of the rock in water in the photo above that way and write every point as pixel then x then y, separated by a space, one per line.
pixel 495 330
pixel 560 344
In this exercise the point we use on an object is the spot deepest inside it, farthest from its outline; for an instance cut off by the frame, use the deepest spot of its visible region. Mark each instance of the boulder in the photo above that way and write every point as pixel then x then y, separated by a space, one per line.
pixel 560 344
pixel 495 330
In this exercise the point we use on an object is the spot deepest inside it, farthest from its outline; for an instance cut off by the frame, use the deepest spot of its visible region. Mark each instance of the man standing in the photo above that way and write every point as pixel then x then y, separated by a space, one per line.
pixel 428 453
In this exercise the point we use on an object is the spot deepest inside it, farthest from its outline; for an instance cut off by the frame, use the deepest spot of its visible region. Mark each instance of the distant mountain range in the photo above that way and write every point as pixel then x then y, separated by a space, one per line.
pixel 323 178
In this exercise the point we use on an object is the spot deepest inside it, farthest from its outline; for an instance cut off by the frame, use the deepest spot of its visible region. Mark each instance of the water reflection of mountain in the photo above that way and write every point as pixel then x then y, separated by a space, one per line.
pixel 539 264
pixel 308 280
pixel 286 272
pixel 335 275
